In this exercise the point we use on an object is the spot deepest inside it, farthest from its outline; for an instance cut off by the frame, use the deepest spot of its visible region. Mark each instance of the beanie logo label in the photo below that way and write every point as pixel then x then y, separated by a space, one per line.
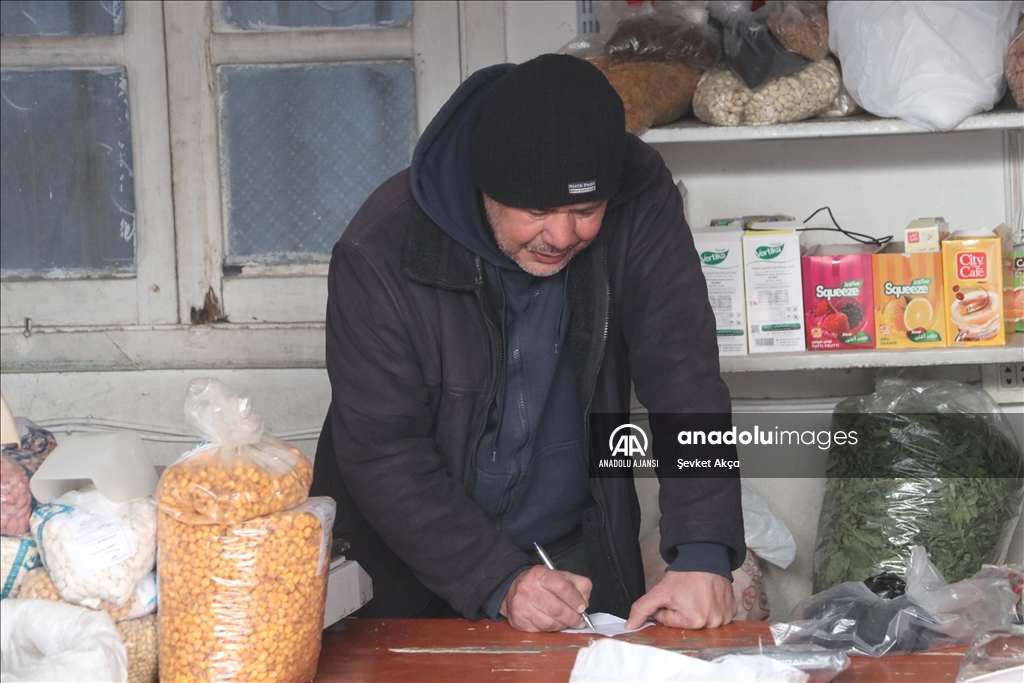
pixel 583 188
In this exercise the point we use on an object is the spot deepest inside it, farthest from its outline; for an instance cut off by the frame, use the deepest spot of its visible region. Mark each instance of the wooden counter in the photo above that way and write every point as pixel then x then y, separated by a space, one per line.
pixel 450 650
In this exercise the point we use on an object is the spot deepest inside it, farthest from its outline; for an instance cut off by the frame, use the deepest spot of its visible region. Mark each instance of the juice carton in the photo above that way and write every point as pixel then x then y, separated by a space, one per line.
pixel 838 297
pixel 978 272
pixel 910 312
pixel 771 268
pixel 1018 285
pixel 721 259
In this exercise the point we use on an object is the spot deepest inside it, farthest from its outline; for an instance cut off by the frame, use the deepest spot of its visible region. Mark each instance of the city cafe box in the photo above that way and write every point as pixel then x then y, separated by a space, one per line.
pixel 838 297
pixel 978 281
pixel 910 312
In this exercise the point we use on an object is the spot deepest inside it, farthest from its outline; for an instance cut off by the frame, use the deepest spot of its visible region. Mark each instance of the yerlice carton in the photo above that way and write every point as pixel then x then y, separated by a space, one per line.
pixel 772 284
pixel 721 260
pixel 910 312
pixel 978 273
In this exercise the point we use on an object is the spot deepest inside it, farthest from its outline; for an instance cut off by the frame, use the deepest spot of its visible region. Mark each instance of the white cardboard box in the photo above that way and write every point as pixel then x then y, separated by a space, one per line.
pixel 348 588
pixel 774 288
pixel 721 259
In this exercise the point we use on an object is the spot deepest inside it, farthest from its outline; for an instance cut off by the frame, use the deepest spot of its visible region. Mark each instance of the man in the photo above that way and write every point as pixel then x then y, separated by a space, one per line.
pixel 483 305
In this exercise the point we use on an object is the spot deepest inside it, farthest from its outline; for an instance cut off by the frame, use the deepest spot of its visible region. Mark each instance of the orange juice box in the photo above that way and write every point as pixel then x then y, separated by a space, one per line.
pixel 838 296
pixel 909 308
pixel 977 271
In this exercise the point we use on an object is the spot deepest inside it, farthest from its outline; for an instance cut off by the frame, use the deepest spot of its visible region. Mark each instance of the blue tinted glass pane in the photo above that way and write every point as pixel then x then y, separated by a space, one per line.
pixel 68 201
pixel 302 148
pixel 255 15
pixel 61 17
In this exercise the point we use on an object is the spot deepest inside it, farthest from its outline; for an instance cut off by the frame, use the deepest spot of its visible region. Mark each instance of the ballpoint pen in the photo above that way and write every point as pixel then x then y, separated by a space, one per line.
pixel 550 565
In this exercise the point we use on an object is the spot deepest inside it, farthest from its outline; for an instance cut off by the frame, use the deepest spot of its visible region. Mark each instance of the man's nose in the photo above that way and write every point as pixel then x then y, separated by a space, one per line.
pixel 560 229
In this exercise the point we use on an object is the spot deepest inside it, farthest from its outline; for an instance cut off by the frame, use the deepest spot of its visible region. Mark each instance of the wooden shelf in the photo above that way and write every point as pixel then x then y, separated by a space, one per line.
pixel 694 130
pixel 1013 352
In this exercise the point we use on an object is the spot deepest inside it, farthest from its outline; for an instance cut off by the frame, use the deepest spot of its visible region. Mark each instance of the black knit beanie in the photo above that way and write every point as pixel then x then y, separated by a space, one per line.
pixel 552 132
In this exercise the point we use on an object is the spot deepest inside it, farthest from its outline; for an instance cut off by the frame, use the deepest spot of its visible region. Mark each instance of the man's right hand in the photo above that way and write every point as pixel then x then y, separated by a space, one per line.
pixel 541 599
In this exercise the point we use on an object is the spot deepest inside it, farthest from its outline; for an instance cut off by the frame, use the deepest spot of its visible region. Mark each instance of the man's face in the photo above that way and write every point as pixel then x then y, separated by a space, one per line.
pixel 542 242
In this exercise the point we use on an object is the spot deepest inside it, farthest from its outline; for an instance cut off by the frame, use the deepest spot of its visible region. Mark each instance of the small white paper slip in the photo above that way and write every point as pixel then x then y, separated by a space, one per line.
pixel 96 543
pixel 607 625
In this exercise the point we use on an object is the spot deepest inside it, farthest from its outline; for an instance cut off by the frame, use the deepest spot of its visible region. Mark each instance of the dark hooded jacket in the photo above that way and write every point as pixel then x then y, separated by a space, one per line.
pixel 415 354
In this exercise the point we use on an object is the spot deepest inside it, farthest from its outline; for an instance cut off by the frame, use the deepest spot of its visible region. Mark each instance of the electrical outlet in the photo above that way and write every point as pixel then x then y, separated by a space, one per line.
pixel 1004 381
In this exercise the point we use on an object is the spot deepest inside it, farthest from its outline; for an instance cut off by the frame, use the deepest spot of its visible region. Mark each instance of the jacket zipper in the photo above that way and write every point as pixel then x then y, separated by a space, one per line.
pixel 586 429
pixel 494 385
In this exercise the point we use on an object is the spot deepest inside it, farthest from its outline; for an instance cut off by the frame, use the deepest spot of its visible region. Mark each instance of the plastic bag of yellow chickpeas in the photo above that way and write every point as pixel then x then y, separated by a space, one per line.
pixel 239 472
pixel 243 554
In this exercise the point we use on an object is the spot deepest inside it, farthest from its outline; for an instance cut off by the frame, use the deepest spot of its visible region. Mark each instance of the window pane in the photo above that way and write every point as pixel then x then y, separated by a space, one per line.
pixel 61 17
pixel 302 148
pixel 256 15
pixel 68 200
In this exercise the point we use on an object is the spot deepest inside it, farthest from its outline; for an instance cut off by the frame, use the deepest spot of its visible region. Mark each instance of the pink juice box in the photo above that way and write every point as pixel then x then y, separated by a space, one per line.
pixel 839 297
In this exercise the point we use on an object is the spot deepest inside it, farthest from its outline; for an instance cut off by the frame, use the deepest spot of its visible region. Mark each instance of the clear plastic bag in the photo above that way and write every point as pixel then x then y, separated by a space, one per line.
pixel 723 99
pixel 37 584
pixel 96 550
pixel 931 615
pixel 1015 65
pixel 652 93
pixel 18 557
pixel 243 598
pixel 936 464
pixel 753 52
pixel 142 647
pixel 820 663
pixel 931 63
pixel 800 27
pixel 15 497
pixel 991 651
pixel 240 472
pixel 662 37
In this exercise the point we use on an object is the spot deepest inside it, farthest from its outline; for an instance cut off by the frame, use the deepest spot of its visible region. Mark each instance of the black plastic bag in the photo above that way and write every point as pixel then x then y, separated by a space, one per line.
pixel 753 52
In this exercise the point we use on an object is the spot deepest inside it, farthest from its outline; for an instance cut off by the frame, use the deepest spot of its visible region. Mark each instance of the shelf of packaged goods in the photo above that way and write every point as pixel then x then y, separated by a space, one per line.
pixel 1012 352
pixel 694 130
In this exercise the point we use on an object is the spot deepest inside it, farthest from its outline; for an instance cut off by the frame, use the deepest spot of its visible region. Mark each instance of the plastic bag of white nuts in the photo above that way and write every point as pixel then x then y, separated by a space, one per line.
pixel 94 549
pixel 723 99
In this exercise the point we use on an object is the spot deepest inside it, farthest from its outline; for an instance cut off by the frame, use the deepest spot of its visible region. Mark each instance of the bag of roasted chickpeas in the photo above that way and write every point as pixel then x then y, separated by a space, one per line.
pixel 243 553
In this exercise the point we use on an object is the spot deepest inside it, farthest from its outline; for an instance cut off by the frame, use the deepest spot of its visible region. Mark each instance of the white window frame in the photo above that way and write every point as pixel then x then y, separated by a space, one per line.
pixel 149 295
pixel 178 212
pixel 198 45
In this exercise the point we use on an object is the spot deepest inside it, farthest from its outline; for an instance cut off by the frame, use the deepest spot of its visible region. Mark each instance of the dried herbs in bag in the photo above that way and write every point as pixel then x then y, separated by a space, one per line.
pixel 935 464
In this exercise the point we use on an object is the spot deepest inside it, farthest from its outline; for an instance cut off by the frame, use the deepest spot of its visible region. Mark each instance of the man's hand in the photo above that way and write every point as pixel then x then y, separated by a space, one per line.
pixel 686 600
pixel 541 599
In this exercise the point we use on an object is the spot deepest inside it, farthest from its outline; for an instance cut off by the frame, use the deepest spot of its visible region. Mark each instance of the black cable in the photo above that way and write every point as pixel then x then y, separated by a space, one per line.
pixel 860 237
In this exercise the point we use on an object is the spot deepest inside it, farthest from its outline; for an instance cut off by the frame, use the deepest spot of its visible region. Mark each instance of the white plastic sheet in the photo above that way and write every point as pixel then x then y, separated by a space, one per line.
pixel 43 640
pixel 931 63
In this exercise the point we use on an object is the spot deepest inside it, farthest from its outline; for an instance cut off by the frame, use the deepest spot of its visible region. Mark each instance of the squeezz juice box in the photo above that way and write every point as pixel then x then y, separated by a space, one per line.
pixel 910 312
pixel 977 269
pixel 838 297
pixel 721 260
pixel 771 270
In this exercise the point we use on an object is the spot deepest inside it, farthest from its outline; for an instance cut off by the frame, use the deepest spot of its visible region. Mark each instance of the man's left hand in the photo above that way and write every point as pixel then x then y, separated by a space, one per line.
pixel 686 600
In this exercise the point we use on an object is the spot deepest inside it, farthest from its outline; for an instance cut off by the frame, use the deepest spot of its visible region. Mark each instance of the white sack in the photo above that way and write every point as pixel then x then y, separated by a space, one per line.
pixel 43 640
pixel 931 63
